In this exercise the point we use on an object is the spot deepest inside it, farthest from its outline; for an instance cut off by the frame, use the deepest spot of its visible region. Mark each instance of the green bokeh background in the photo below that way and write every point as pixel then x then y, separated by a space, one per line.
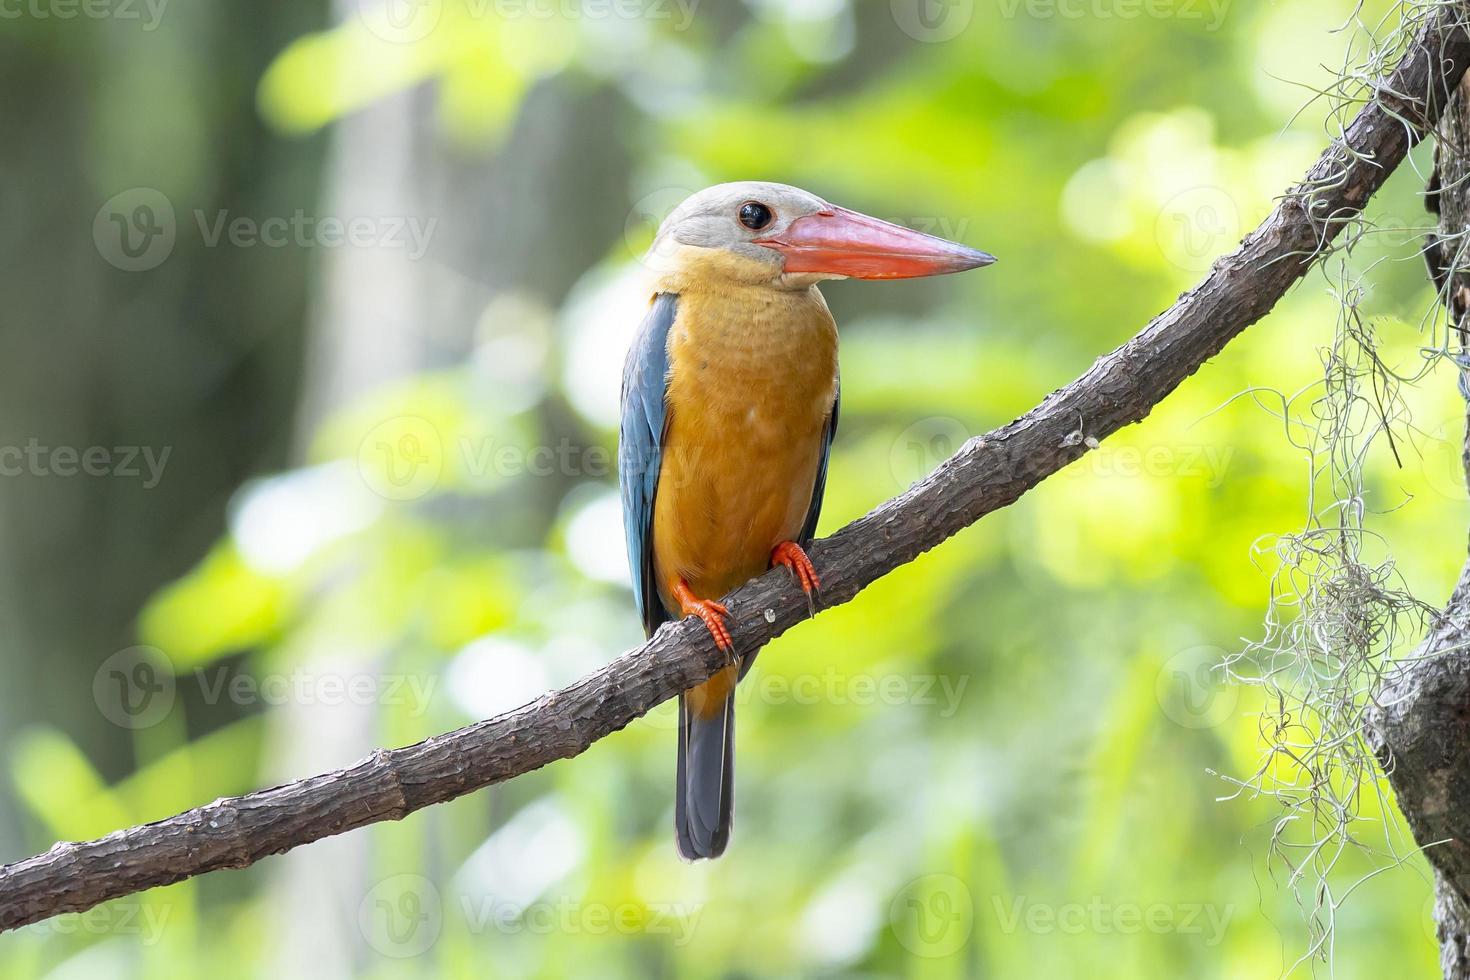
pixel 387 508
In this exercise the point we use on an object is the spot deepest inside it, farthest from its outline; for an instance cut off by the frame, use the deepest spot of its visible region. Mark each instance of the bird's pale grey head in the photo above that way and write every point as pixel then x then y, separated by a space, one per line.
pixel 733 217
pixel 761 232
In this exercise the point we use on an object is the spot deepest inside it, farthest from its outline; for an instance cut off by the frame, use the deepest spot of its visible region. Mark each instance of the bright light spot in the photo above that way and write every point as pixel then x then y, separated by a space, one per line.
pixel 839 925
pixel 601 317
pixel 612 45
pixel 493 675
pixel 535 849
pixel 822 42
pixel 660 876
pixel 800 9
pixel 280 522
pixel 668 80
pixel 569 655
pixel 513 339
pixel 1095 202
pixel 1173 152
pixel 817 30
pixel 1296 45
pixel 595 540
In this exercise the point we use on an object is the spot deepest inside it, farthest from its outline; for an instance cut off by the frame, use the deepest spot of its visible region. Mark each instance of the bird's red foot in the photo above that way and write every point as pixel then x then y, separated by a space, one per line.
pixel 711 613
pixel 789 553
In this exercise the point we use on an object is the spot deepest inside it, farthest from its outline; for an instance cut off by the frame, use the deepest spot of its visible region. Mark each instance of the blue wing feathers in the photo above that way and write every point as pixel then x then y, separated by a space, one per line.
pixel 640 447
pixel 809 526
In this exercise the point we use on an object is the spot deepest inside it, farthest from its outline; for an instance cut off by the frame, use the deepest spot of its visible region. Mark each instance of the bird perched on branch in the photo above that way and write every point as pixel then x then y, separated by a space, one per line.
pixel 730 399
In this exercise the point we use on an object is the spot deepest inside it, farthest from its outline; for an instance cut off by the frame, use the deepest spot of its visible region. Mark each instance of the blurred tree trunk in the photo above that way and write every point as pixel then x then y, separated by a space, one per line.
pixel 1420 725
pixel 197 357
pixel 527 219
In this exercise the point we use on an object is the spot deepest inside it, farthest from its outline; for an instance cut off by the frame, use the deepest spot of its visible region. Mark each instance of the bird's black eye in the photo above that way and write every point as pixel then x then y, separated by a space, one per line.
pixel 754 215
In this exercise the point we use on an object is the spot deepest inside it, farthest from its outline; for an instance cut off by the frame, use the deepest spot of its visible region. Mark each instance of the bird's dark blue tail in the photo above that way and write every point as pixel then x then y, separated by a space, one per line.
pixel 705 792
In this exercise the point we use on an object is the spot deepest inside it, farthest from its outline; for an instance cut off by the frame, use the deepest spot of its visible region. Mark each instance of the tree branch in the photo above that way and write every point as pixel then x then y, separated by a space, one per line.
pixel 1418 722
pixel 988 473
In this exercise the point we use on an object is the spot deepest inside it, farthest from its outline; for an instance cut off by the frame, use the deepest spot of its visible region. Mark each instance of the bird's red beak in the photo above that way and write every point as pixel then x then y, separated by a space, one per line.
pixel 839 242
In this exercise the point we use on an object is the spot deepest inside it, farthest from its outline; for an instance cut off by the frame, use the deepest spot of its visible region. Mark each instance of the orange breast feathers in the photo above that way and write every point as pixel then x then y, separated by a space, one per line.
pixel 752 379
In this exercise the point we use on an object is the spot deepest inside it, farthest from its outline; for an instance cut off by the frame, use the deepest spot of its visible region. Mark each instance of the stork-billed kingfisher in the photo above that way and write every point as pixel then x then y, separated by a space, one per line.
pixel 730 399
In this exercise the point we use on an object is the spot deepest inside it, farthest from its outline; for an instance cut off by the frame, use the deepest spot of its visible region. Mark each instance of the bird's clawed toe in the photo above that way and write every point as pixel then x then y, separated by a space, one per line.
pixel 710 612
pixel 790 554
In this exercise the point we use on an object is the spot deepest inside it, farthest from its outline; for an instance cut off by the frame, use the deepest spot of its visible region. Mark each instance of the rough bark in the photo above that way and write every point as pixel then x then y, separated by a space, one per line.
pixel 1421 732
pixel 1420 724
pixel 988 473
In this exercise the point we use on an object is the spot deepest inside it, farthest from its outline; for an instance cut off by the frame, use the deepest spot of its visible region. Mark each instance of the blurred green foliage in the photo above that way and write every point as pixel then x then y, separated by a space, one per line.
pixel 1001 760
